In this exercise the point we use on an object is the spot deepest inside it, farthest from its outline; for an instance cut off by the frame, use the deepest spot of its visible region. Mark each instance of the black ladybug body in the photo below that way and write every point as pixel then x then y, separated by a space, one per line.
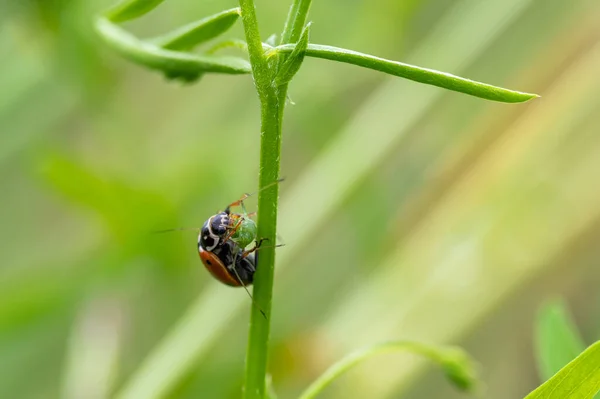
pixel 227 262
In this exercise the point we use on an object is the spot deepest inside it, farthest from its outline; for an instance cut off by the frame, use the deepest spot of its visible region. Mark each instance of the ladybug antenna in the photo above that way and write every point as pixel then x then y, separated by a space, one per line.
pixel 240 202
pixel 265 187
pixel 175 229
pixel 248 292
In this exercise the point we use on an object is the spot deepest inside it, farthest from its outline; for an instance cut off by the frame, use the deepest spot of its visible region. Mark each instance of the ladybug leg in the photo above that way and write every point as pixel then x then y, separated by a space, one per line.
pixel 235 271
pixel 237 275
pixel 239 202
pixel 258 246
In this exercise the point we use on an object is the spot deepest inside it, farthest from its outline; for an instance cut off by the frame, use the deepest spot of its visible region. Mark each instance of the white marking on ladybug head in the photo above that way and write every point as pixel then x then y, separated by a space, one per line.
pixel 215 238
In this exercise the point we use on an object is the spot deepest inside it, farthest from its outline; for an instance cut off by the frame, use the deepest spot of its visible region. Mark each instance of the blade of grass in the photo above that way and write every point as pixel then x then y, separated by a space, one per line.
pixel 579 379
pixel 457 365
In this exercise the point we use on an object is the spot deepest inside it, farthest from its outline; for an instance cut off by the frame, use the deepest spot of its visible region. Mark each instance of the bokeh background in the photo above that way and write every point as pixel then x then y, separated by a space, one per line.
pixel 408 211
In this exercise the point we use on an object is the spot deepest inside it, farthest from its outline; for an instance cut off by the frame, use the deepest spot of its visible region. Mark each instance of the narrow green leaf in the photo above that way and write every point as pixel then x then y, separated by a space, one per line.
pixel 131 9
pixel 292 63
pixel 190 35
pixel 174 64
pixel 230 43
pixel 418 74
pixel 557 339
pixel 457 365
pixel 296 19
pixel 579 379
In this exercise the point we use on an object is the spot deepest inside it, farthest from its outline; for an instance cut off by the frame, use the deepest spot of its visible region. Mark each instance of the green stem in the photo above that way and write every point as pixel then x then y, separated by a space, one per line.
pixel 272 101
pixel 258 339
pixel 270 149
pixel 260 68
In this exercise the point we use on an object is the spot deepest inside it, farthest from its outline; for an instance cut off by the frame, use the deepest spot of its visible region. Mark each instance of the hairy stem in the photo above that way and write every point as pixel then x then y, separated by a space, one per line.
pixel 258 339
pixel 272 101
pixel 258 60
pixel 270 149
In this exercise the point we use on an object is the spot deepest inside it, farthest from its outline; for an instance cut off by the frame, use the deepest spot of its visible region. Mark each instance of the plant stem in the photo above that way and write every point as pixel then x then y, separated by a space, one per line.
pixel 260 68
pixel 272 101
pixel 258 339
pixel 270 149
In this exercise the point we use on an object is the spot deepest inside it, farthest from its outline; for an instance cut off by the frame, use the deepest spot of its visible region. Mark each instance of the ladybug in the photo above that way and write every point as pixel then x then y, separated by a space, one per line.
pixel 222 243
pixel 229 226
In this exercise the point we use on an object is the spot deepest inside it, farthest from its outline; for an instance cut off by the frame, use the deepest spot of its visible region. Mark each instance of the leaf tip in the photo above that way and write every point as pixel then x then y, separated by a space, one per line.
pixel 525 97
pixel 306 32
pixel 460 369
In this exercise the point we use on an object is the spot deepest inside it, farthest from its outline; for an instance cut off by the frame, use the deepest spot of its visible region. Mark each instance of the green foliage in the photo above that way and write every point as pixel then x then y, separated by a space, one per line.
pixel 181 64
pixel 457 365
pixel 131 9
pixel 123 207
pixel 557 339
pixel 173 64
pixel 579 379
pixel 296 21
pixel 195 33
pixel 293 61
pixel 418 74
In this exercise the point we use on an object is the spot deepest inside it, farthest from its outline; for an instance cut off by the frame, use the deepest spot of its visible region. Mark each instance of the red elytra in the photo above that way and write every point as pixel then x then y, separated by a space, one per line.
pixel 217 269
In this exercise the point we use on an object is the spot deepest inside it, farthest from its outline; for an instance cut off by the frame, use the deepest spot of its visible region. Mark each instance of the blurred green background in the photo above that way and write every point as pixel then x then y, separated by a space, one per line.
pixel 408 211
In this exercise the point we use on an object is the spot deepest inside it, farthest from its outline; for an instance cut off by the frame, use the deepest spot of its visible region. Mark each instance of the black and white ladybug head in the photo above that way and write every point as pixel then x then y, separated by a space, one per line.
pixel 219 224
pixel 213 230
